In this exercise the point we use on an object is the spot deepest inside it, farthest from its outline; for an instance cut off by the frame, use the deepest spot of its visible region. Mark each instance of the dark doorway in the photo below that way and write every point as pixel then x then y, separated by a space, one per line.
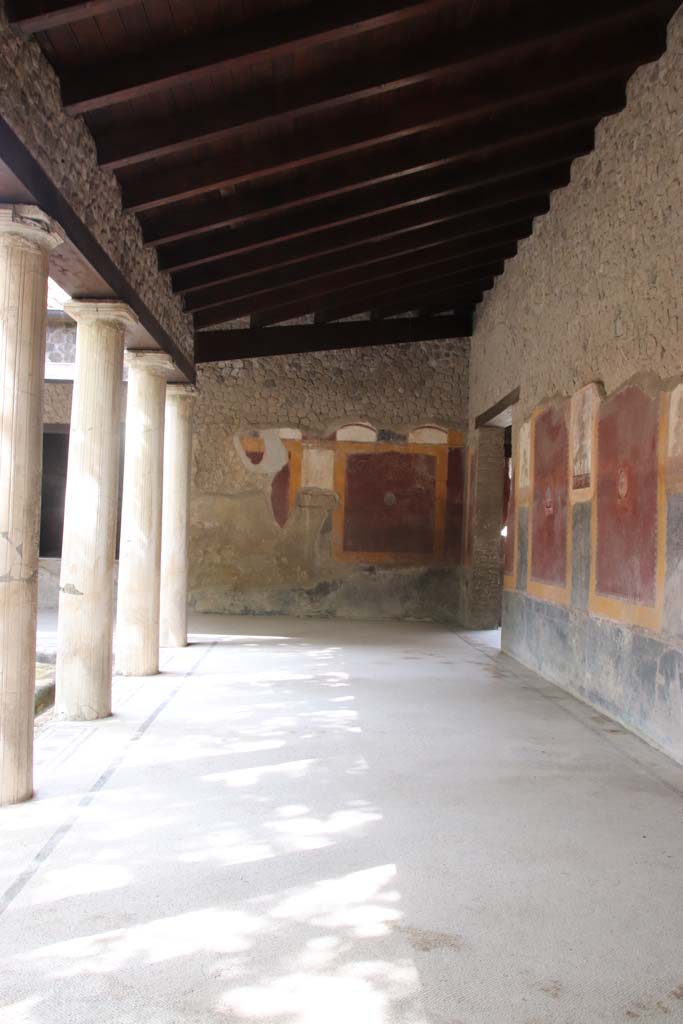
pixel 53 494
pixel 55 456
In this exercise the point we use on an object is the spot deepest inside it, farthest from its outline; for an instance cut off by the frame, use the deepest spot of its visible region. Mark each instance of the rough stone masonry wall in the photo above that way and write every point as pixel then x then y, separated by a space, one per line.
pixel 596 296
pixel 30 103
pixel 242 560
pixel 57 402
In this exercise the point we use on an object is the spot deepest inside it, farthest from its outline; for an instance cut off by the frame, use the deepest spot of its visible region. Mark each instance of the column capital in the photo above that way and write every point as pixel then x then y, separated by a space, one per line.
pixel 30 223
pixel 180 391
pixel 88 311
pixel 156 361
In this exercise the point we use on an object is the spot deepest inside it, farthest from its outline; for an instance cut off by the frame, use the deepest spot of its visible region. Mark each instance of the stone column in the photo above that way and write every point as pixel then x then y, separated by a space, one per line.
pixel 26 237
pixel 137 614
pixel 175 516
pixel 86 598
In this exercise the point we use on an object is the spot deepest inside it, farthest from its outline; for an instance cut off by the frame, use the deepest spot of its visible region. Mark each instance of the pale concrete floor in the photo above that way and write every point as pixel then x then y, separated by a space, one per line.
pixel 343 823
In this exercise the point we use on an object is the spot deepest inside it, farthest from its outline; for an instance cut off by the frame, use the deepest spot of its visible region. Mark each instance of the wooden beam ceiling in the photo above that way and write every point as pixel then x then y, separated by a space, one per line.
pixel 348 85
pixel 246 343
pixel 40 15
pixel 404 236
pixel 465 295
pixel 297 208
pixel 268 311
pixel 282 34
pixel 445 203
pixel 369 128
pixel 296 158
pixel 289 284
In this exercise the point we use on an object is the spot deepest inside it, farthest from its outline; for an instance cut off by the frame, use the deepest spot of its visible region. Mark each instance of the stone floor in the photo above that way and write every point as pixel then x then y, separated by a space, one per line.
pixel 341 823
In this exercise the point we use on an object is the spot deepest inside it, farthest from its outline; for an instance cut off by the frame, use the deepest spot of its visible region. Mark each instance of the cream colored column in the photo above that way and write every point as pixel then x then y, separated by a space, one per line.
pixel 86 592
pixel 26 237
pixel 175 516
pixel 137 614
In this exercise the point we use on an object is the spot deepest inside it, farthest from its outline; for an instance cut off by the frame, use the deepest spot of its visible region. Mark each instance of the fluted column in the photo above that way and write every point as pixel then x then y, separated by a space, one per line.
pixel 175 515
pixel 137 614
pixel 86 597
pixel 26 237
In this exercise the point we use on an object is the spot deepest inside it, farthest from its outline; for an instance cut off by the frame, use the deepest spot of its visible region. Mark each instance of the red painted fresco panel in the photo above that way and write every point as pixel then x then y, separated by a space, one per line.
pixel 626 557
pixel 455 505
pixel 390 503
pixel 279 494
pixel 550 496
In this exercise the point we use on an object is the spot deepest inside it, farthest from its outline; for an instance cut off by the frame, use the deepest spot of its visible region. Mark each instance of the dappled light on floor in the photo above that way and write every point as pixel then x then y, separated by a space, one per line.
pixel 338 822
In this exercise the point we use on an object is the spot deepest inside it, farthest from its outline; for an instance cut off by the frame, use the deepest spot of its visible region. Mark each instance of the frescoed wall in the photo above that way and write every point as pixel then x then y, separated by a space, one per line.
pixel 346 508
pixel 332 484
pixel 594 565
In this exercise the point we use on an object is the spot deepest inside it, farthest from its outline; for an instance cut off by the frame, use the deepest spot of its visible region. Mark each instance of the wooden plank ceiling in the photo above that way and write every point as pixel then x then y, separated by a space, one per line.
pixel 372 159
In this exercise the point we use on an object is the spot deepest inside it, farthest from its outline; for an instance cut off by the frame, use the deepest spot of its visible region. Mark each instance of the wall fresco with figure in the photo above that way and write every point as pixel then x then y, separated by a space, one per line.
pixel 597 605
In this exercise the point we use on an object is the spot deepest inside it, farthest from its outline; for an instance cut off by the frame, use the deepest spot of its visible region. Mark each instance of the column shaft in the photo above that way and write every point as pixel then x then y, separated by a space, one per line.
pixel 137 617
pixel 86 599
pixel 176 508
pixel 26 235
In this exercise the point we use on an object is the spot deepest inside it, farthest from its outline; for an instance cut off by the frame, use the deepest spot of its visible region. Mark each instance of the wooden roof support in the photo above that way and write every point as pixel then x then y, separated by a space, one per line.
pixel 41 15
pixel 269 310
pixel 426 302
pixel 401 238
pixel 290 284
pixel 298 208
pixel 474 195
pixel 467 290
pixel 213 346
pixel 145 140
pixel 278 35
pixel 564 80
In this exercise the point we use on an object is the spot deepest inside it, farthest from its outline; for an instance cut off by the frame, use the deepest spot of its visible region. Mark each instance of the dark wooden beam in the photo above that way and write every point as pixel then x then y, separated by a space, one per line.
pixel 42 15
pixel 436 243
pixel 270 309
pixel 216 346
pixel 405 235
pixel 52 202
pixel 447 188
pixel 297 208
pixel 434 301
pixel 338 281
pixel 495 410
pixel 542 22
pixel 290 284
pixel 467 289
pixel 366 127
pixel 276 35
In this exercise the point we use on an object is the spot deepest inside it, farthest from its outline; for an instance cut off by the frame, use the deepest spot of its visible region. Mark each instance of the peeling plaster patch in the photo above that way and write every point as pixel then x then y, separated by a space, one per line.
pixel 676 424
pixel 275 455
pixel 524 445
pixel 69 588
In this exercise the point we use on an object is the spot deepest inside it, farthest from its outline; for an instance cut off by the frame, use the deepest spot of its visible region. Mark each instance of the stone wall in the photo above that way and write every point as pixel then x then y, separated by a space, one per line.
pixel 273 438
pixel 594 584
pixel 57 402
pixel 30 103
pixel 596 293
